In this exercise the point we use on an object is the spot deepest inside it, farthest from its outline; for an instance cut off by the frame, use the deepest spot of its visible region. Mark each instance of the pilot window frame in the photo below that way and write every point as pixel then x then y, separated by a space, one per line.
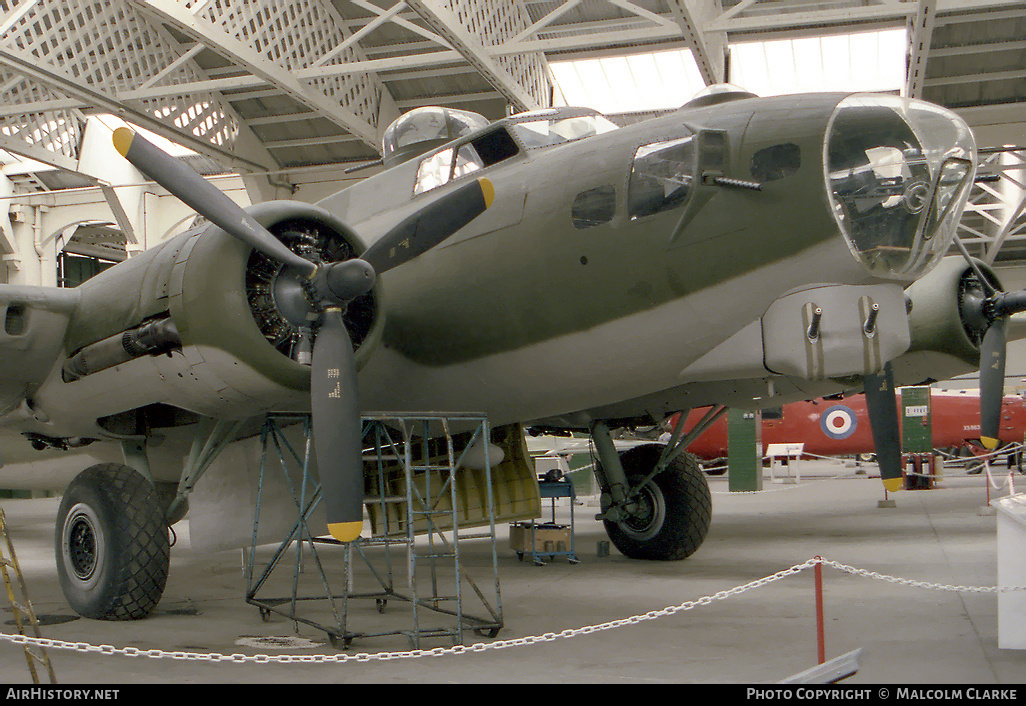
pixel 641 204
pixel 465 157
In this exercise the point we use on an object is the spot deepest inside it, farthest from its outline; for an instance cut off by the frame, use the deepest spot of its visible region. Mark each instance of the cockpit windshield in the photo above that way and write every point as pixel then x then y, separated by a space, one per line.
pixel 545 128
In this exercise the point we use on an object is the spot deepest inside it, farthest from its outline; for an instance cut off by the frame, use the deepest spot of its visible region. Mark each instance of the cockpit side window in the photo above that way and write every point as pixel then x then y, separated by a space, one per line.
pixel 593 207
pixel 434 171
pixel 661 176
pixel 776 162
pixel 456 162
pixel 556 130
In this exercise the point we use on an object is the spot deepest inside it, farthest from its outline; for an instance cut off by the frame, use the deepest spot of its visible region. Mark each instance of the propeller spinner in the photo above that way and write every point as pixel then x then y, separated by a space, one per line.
pixel 325 290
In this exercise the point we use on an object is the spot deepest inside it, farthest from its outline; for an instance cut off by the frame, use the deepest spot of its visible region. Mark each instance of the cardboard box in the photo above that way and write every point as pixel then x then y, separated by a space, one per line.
pixel 548 538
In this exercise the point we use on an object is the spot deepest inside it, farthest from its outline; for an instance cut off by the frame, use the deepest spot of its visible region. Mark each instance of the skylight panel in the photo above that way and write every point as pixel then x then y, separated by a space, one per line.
pixel 864 61
pixel 666 80
pixel 652 81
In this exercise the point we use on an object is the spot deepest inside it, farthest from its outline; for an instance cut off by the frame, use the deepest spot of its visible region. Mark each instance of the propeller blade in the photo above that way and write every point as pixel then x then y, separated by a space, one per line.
pixel 430 226
pixel 1012 303
pixel 992 382
pixel 882 406
pixel 197 193
pixel 337 427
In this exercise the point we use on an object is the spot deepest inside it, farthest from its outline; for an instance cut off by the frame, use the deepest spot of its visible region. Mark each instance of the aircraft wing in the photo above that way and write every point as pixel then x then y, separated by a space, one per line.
pixel 35 321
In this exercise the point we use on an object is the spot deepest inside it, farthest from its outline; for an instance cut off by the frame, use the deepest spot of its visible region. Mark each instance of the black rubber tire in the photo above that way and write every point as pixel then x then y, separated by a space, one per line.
pixel 112 546
pixel 676 508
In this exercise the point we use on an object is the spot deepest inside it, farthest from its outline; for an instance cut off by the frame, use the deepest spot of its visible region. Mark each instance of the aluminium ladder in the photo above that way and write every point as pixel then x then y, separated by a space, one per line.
pixel 22 611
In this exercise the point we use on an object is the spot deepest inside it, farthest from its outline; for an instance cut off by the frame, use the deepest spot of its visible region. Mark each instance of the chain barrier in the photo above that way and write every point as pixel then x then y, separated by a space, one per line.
pixel 1009 480
pixel 791 486
pixel 85 647
pixel 1003 451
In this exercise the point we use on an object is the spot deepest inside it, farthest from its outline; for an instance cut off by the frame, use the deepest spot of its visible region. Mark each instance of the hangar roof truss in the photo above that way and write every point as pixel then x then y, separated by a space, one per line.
pixel 287 85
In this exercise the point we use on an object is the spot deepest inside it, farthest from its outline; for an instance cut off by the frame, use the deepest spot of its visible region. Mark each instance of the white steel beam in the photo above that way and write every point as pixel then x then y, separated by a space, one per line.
pixel 547 19
pixel 8 246
pixel 920 35
pixel 447 100
pixel 54 78
pixel 708 48
pixel 404 23
pixel 975 78
pixel 39 154
pixel 205 32
pixel 444 21
pixel 236 83
pixel 754 16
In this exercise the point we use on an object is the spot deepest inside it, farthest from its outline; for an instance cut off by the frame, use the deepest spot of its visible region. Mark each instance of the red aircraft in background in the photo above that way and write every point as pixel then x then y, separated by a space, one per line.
pixel 830 427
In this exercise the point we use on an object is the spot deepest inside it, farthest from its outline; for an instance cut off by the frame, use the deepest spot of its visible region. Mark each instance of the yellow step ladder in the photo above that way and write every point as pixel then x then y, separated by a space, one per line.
pixel 23 610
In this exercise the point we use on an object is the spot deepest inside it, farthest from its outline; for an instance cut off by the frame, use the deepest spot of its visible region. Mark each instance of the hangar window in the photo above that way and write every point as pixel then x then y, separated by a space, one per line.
pixel 87 248
pixel 73 270
pixel 776 162
pixel 661 176
pixel 455 162
pixel 593 207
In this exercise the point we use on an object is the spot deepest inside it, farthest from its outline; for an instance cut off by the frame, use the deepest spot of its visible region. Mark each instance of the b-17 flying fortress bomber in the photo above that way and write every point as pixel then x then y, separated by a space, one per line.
pixel 548 269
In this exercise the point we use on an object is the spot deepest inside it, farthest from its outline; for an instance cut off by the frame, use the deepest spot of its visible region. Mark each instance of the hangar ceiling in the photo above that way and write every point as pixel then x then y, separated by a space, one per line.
pixel 278 87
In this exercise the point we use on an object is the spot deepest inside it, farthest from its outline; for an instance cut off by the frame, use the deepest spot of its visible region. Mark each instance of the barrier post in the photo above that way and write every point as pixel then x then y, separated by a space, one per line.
pixel 820 638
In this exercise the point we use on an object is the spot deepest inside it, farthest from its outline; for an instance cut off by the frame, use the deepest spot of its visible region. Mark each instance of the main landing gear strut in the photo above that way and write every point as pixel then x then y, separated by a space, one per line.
pixel 655 499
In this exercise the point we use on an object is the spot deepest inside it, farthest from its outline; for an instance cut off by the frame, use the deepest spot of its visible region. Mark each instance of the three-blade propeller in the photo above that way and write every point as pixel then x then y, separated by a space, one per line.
pixel 327 288
pixel 986 311
pixel 990 313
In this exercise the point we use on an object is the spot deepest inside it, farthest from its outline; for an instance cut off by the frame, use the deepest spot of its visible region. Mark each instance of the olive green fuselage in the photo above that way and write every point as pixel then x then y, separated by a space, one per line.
pixel 529 312
pixel 524 314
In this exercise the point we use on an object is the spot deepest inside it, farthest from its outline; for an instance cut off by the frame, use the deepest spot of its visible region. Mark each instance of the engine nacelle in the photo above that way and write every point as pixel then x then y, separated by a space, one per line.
pixel 945 337
pixel 235 355
pixel 225 297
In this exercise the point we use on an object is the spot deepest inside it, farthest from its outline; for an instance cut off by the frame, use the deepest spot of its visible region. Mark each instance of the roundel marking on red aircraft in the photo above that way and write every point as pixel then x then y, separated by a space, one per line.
pixel 838 422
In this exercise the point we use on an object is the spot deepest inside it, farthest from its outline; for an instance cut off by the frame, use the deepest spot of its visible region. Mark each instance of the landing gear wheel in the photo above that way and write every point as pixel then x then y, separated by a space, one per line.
pixel 669 518
pixel 112 545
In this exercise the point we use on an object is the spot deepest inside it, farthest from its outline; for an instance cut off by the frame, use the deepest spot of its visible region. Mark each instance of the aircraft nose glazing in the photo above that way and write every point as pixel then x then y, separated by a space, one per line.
pixel 897 174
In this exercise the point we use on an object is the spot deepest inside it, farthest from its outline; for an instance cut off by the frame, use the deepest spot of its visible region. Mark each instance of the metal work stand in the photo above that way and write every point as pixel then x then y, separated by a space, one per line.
pixel 538 539
pixel 417 506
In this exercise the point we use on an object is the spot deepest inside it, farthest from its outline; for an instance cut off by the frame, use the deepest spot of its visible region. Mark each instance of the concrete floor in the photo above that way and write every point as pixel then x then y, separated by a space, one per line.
pixel 908 635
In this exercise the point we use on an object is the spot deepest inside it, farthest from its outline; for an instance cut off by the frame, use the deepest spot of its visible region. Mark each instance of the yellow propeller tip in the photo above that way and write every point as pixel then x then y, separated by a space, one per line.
pixel 892 485
pixel 488 191
pixel 345 531
pixel 123 140
pixel 989 443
